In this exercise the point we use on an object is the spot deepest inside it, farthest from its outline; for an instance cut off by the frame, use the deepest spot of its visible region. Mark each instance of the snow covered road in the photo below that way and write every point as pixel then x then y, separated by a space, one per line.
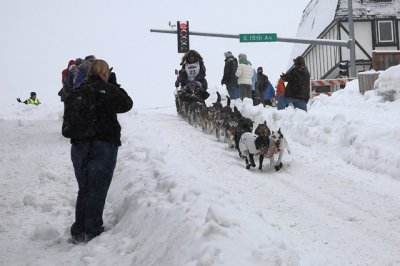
pixel 180 197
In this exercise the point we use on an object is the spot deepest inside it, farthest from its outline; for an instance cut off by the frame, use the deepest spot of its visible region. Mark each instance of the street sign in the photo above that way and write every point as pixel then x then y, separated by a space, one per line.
pixel 258 37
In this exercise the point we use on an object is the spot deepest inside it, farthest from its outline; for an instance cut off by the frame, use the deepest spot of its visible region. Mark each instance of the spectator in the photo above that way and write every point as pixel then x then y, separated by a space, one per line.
pixel 64 73
pixel 254 93
pixel 94 158
pixel 32 100
pixel 297 91
pixel 261 84
pixel 229 78
pixel 245 76
pixel 68 77
pixel 280 89
pixel 269 95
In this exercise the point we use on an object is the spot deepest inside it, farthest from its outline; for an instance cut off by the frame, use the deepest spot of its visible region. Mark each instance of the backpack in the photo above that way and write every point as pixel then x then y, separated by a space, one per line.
pixel 79 120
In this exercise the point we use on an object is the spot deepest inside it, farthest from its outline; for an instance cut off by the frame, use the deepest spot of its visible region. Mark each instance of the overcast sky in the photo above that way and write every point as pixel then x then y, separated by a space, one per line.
pixel 39 37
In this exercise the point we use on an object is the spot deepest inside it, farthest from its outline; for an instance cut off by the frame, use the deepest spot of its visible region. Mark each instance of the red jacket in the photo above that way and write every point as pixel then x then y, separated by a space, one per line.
pixel 64 73
pixel 280 88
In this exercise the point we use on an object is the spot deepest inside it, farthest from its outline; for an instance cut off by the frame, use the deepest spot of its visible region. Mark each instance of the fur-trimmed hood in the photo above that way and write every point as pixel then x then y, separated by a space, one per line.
pixel 196 55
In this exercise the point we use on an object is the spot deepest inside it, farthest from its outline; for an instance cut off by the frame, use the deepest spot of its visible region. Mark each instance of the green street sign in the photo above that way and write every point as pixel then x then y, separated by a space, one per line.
pixel 258 37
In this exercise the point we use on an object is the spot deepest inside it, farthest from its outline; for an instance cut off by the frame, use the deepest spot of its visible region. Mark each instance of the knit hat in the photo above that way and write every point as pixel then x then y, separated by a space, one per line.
pixel 71 62
pixel 242 57
pixel 228 54
pixel 78 61
pixel 260 68
pixel 299 61
pixel 90 58
pixel 33 93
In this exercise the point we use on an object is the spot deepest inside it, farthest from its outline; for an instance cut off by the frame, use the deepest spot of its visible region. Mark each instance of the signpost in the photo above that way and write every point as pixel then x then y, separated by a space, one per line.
pixel 258 37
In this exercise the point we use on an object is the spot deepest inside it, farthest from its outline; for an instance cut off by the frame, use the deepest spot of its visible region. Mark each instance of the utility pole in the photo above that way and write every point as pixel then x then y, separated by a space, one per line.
pixel 352 40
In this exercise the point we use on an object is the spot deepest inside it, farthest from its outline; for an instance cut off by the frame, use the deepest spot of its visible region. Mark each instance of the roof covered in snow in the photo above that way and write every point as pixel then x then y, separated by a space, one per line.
pixel 319 14
pixel 368 9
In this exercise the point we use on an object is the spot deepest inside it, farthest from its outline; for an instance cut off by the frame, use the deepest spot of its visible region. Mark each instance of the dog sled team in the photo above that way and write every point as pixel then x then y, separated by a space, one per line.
pixel 230 126
pixel 241 81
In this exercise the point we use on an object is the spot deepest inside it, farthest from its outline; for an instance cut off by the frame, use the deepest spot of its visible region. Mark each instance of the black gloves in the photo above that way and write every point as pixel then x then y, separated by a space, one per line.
pixel 112 79
pixel 19 100
pixel 177 84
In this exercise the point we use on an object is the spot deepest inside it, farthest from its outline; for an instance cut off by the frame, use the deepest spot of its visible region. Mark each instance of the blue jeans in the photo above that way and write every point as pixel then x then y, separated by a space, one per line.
pixel 284 102
pixel 94 163
pixel 233 90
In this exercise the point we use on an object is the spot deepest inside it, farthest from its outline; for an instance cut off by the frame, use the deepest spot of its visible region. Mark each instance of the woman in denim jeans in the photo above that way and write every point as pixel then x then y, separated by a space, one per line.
pixel 94 158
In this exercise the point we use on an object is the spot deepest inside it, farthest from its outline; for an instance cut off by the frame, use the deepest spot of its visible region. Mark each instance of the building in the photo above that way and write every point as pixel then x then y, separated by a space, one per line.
pixel 376 28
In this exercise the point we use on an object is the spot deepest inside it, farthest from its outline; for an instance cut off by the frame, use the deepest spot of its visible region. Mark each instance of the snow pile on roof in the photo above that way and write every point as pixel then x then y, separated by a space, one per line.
pixel 319 14
pixel 369 9
pixel 316 17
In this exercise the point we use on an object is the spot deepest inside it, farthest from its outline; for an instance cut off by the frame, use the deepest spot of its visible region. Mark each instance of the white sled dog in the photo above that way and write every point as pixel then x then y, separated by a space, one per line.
pixel 277 145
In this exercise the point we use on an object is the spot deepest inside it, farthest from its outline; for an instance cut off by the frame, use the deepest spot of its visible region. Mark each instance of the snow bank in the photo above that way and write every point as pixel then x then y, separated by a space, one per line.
pixel 189 219
pixel 388 84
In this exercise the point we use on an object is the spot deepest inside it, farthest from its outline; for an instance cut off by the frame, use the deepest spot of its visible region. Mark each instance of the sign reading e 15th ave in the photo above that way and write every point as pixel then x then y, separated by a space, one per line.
pixel 258 37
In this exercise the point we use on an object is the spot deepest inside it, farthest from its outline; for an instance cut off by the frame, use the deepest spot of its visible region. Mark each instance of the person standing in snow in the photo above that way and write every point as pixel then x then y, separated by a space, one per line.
pixel 94 158
pixel 269 95
pixel 32 100
pixel 229 78
pixel 280 88
pixel 261 84
pixel 68 76
pixel 254 93
pixel 297 90
pixel 244 73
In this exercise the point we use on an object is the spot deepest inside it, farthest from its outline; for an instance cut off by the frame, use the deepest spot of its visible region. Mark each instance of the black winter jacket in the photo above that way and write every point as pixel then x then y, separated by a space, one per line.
pixel 111 100
pixel 262 82
pixel 183 80
pixel 298 83
pixel 231 65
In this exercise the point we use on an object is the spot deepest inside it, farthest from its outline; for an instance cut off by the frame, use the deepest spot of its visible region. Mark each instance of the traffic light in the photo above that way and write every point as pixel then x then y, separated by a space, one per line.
pixel 183 36
pixel 344 69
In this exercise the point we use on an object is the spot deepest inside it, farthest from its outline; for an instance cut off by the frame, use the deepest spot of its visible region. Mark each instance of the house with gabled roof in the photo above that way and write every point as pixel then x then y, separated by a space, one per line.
pixel 376 28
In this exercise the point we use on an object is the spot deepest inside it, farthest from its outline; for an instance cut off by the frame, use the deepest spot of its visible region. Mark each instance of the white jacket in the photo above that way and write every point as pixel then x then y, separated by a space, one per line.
pixel 245 74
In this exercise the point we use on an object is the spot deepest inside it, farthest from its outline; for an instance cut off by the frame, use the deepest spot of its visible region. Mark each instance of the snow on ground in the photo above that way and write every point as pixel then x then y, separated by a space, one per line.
pixel 180 197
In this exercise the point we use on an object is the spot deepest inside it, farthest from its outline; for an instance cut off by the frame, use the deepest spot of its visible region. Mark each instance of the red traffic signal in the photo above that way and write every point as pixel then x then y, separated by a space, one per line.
pixel 183 36
pixel 183 25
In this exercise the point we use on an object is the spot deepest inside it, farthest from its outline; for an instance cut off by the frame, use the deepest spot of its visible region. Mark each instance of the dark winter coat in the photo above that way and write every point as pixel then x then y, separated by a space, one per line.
pixel 231 65
pixel 111 100
pixel 183 79
pixel 298 83
pixel 262 82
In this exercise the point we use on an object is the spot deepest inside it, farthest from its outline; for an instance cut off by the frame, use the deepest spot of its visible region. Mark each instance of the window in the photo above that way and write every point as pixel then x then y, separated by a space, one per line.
pixel 385 31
